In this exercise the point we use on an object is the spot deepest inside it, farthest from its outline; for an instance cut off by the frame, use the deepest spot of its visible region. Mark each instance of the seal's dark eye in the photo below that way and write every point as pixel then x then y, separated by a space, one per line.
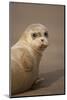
pixel 46 34
pixel 34 35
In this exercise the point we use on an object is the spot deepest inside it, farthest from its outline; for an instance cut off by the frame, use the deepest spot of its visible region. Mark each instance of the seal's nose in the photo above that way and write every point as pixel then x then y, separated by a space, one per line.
pixel 42 40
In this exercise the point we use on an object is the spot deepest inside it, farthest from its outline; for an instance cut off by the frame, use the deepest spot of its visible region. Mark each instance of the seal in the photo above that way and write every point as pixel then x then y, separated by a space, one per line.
pixel 25 57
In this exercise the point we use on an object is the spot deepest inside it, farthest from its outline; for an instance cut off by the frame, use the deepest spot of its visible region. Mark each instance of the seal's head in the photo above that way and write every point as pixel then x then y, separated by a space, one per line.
pixel 36 36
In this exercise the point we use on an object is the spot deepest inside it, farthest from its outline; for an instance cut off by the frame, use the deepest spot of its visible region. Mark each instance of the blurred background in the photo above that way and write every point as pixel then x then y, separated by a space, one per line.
pixel 52 62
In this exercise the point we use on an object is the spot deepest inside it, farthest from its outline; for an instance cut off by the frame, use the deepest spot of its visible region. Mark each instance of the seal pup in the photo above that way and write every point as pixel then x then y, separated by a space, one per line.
pixel 25 57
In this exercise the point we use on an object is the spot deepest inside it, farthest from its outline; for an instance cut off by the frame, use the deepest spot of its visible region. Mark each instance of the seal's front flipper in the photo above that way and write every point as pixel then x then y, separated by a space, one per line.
pixel 39 80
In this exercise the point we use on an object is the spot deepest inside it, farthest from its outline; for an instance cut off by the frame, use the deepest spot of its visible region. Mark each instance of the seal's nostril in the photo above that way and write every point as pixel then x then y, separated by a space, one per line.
pixel 42 40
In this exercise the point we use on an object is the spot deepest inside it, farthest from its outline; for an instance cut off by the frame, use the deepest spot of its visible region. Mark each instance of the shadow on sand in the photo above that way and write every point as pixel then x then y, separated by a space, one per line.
pixel 48 79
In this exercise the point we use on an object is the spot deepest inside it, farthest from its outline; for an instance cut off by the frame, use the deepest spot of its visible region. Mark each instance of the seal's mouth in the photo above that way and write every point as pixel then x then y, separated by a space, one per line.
pixel 43 46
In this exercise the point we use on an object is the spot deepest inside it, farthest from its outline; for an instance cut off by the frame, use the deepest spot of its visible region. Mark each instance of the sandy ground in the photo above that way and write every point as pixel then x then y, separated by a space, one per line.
pixel 52 83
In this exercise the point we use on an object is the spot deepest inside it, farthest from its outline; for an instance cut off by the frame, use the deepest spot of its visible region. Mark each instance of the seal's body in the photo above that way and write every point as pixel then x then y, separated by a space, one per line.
pixel 25 57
